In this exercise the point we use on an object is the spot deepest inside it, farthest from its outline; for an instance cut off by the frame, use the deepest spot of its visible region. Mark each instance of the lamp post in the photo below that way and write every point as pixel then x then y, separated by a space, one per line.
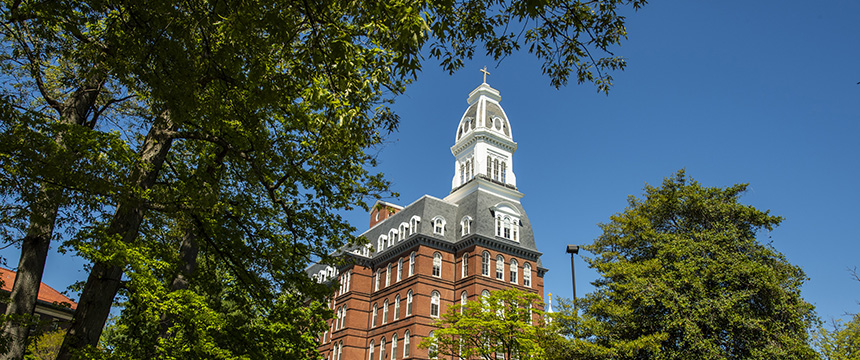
pixel 573 250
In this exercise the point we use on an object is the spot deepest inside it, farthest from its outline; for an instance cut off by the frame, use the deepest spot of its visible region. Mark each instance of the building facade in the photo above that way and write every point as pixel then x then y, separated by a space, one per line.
pixel 434 252
pixel 53 309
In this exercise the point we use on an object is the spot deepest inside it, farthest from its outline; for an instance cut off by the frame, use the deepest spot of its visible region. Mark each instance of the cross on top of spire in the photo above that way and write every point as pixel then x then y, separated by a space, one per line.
pixel 484 70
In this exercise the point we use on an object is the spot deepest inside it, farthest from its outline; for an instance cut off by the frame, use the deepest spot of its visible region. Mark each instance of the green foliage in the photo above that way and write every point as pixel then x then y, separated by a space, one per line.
pixel 683 276
pixel 267 111
pixel 46 346
pixel 842 342
pixel 506 322
pixel 217 318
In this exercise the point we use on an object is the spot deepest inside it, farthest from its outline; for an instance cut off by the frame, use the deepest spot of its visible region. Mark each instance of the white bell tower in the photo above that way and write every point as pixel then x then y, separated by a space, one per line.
pixel 484 145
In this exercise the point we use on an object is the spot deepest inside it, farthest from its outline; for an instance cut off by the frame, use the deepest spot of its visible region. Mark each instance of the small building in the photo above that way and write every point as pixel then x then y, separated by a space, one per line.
pixel 433 253
pixel 53 309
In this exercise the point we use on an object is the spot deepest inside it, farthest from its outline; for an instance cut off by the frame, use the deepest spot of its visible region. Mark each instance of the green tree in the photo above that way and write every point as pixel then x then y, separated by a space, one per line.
pixel 683 276
pixel 506 323
pixel 842 342
pixel 157 134
pixel 46 346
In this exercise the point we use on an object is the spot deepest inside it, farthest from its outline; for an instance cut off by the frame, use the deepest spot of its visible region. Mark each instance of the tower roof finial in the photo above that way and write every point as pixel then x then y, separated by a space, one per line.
pixel 484 70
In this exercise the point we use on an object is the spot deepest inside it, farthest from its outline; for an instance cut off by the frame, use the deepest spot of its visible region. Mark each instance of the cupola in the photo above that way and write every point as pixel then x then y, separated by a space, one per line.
pixel 484 144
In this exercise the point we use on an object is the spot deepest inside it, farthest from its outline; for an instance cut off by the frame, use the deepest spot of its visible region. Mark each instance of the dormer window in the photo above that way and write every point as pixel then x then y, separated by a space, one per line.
pixel 380 244
pixel 404 229
pixel 466 226
pixel 507 222
pixel 413 224
pixel 392 235
pixel 439 225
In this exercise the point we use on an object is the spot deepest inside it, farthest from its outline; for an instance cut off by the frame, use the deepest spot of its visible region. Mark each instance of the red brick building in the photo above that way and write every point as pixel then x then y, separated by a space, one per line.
pixel 435 252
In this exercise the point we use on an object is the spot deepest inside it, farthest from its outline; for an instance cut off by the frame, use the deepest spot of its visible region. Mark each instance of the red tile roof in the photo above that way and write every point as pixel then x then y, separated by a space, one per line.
pixel 46 293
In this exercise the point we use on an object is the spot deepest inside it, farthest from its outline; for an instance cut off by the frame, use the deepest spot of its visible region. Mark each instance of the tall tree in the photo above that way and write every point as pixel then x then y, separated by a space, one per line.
pixel 683 275
pixel 506 324
pixel 288 95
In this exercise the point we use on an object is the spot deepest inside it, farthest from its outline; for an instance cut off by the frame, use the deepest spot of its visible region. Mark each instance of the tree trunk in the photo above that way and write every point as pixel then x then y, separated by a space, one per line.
pixel 37 241
pixel 190 247
pixel 188 250
pixel 105 279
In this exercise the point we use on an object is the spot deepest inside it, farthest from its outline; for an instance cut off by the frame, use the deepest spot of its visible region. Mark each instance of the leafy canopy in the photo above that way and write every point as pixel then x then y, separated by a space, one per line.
pixel 683 276
pixel 506 323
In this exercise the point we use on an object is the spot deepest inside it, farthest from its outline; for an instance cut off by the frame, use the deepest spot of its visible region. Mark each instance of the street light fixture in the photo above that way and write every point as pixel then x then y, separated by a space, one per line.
pixel 573 250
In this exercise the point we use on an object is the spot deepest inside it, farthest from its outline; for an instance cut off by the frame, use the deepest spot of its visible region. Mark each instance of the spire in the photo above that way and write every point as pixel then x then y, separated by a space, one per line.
pixel 549 304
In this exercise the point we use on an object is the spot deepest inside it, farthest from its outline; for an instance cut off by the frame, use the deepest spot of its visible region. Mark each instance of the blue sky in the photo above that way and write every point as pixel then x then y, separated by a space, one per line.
pixel 763 92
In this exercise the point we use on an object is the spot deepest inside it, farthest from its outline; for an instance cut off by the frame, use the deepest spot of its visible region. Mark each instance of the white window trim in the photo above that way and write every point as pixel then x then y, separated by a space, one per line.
pixel 500 267
pixel 437 264
pixel 438 225
pixel 435 299
pixel 466 226
pixel 527 275
pixel 414 223
pixel 514 270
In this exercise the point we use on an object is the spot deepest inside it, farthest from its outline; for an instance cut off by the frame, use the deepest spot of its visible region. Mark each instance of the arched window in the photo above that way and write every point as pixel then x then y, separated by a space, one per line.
pixel 394 346
pixel 412 263
pixel 465 266
pixel 339 349
pixel 514 270
pixel 468 170
pixel 433 349
pixel 385 312
pixel 370 350
pixel 527 275
pixel 388 276
pixel 392 236
pixel 500 267
pixel 404 230
pixel 374 315
pixel 503 171
pixel 496 169
pixel 380 243
pixel 437 264
pixel 409 303
pixel 382 348
pixel 434 304
pixel 507 221
pixel 413 224
pixel 343 317
pixel 348 278
pixel 377 280
pixel 406 341
pixel 465 226
pixel 439 225
pixel 463 301
pixel 397 307
pixel 400 269
pixel 485 263
pixel 485 295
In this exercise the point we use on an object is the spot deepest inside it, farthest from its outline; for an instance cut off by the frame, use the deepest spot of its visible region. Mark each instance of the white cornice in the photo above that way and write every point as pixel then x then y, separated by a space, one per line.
pixel 482 184
pixel 488 137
